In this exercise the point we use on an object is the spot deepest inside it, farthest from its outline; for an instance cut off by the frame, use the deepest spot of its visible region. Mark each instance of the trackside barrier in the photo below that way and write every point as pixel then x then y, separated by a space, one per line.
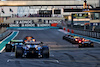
pixel 90 34
pixel 86 33
pixel 3 35
pixel 98 35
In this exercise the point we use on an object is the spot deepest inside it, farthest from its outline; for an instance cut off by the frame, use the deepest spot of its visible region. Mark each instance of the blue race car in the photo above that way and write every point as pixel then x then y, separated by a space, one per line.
pixel 11 45
pixel 32 49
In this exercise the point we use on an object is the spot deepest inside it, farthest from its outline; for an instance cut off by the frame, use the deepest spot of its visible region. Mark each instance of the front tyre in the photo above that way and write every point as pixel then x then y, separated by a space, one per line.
pixel 92 45
pixel 63 37
pixel 8 48
pixel 80 45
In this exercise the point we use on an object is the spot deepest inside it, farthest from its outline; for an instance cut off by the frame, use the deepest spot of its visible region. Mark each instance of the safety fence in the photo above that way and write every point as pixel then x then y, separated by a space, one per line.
pixel 86 33
pixel 5 34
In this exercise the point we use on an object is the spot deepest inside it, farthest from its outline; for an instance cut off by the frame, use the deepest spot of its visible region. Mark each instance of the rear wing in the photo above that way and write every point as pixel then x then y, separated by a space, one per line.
pixel 17 41
pixel 34 43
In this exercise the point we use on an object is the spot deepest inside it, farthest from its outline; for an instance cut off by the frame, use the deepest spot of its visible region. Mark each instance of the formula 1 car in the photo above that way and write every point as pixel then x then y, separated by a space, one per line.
pixel 70 38
pixel 66 37
pixel 85 43
pixel 11 45
pixel 32 49
pixel 29 39
pixel 73 39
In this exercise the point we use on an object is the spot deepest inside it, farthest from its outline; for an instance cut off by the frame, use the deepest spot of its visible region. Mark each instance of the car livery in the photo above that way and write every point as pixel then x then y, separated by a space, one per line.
pixel 86 43
pixel 32 49
pixel 29 39
pixel 82 42
pixel 70 38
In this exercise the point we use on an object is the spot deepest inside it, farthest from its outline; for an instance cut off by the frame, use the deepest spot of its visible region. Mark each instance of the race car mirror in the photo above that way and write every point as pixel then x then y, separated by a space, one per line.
pixel 41 42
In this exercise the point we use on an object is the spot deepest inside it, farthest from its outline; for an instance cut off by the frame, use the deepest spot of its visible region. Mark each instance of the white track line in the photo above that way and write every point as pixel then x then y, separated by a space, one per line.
pixel 63 31
pixel 85 49
pixel 32 60
pixel 57 61
pixel 15 35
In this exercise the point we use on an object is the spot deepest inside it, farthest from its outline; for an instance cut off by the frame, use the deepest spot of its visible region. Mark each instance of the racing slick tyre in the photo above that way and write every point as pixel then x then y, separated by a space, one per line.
pixel 8 48
pixel 80 46
pixel 45 52
pixel 63 37
pixel 73 42
pixel 19 52
pixel 91 45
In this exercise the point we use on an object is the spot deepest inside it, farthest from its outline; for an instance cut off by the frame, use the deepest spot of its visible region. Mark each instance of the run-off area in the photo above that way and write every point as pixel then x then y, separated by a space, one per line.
pixel 62 53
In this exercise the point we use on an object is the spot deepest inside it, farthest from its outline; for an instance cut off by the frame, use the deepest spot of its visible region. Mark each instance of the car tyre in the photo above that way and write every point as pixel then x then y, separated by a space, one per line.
pixel 80 46
pixel 8 48
pixel 91 45
pixel 63 37
pixel 19 52
pixel 45 52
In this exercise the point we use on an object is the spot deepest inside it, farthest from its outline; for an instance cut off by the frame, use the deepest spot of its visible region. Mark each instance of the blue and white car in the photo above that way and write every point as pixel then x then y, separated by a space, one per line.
pixel 32 49
pixel 11 45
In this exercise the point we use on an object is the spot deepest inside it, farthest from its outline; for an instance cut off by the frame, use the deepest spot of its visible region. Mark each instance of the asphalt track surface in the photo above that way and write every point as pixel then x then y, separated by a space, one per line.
pixel 62 53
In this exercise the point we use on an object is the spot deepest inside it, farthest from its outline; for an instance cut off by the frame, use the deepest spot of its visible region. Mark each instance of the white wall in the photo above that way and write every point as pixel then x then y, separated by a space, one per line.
pixel 7 11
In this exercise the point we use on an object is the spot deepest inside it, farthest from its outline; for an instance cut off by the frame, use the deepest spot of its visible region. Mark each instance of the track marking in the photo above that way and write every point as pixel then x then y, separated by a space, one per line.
pixel 15 35
pixel 63 45
pixel 70 56
pixel 63 31
pixel 57 61
pixel 75 49
pixel 93 56
pixel 8 37
pixel 12 55
pixel 11 60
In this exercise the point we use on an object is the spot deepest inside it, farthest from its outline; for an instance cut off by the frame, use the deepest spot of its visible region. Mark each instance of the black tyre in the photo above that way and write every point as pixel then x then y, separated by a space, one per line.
pixel 45 52
pixel 80 46
pixel 19 52
pixel 73 42
pixel 92 45
pixel 63 37
pixel 8 48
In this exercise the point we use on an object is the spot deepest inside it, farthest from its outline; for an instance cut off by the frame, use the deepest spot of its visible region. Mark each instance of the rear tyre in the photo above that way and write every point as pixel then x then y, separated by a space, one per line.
pixel 80 46
pixel 91 45
pixel 8 48
pixel 45 52
pixel 63 37
pixel 19 52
